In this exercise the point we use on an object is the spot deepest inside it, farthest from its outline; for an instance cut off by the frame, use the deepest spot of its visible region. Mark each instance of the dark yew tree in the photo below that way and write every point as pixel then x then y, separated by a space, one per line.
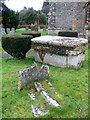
pixel 10 18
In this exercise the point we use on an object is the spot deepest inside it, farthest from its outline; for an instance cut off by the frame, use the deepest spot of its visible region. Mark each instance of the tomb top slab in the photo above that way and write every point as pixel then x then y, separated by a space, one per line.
pixel 60 41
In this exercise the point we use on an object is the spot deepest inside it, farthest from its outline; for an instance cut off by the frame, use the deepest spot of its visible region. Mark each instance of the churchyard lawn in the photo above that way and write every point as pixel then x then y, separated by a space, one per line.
pixel 71 85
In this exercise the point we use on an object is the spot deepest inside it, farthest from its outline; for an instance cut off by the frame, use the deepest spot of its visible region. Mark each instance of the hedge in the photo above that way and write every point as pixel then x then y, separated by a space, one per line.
pixel 68 33
pixel 33 33
pixel 16 46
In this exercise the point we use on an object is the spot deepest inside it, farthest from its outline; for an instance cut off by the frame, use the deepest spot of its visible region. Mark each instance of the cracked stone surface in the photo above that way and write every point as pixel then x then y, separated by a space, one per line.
pixel 40 91
pixel 46 96
pixel 50 84
pixel 38 111
pixel 32 96
pixel 57 40
pixel 32 73
pixel 50 100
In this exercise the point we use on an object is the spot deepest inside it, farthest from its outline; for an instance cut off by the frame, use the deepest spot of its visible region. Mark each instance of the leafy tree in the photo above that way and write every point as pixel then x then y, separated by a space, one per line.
pixel 31 16
pixel 13 19
pixel 27 16
pixel 22 16
pixel 42 18
pixel 10 18
pixel 45 7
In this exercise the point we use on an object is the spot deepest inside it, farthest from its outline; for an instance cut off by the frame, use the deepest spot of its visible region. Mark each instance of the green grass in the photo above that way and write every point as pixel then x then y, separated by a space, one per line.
pixel 71 85
pixel 19 31
pixel 2 51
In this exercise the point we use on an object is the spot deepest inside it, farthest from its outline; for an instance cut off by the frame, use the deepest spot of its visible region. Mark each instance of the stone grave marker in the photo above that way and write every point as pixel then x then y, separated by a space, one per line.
pixel 8 30
pixel 12 31
pixel 38 111
pixel 3 31
pixel 38 73
pixel 32 73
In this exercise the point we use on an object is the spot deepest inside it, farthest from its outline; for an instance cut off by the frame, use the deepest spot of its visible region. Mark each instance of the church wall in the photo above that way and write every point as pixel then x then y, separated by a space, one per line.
pixel 66 16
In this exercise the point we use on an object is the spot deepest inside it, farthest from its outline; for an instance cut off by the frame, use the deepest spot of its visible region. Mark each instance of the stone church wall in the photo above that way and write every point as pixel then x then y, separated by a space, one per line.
pixel 66 16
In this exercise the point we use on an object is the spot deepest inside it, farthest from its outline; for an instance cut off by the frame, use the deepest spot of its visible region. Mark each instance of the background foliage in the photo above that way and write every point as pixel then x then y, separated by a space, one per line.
pixel 10 18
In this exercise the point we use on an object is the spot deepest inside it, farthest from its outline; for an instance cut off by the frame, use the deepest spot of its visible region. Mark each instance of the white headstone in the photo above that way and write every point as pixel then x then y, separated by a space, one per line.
pixel 8 30
pixel 3 31
pixel 13 30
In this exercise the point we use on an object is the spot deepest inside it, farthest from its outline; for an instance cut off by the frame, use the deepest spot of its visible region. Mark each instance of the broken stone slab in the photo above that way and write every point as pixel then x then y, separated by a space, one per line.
pixel 32 96
pixel 38 111
pixel 32 73
pixel 50 84
pixel 52 88
pixel 46 96
pixel 60 51
pixel 50 100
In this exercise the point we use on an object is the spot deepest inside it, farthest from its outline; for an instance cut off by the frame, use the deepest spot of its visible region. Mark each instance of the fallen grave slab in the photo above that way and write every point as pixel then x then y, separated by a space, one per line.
pixel 46 96
pixel 32 73
pixel 60 51
pixel 32 96
pixel 37 73
pixel 38 111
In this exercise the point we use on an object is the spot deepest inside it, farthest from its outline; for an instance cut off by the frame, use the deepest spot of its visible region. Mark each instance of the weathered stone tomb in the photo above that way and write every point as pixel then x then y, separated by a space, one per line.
pixel 60 51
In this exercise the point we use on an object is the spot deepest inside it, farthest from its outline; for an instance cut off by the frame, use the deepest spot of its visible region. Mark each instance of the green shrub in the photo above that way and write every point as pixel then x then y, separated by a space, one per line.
pixel 68 33
pixel 33 33
pixel 17 46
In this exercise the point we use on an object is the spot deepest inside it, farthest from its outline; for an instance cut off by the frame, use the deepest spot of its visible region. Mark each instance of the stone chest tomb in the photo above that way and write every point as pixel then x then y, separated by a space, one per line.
pixel 60 51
